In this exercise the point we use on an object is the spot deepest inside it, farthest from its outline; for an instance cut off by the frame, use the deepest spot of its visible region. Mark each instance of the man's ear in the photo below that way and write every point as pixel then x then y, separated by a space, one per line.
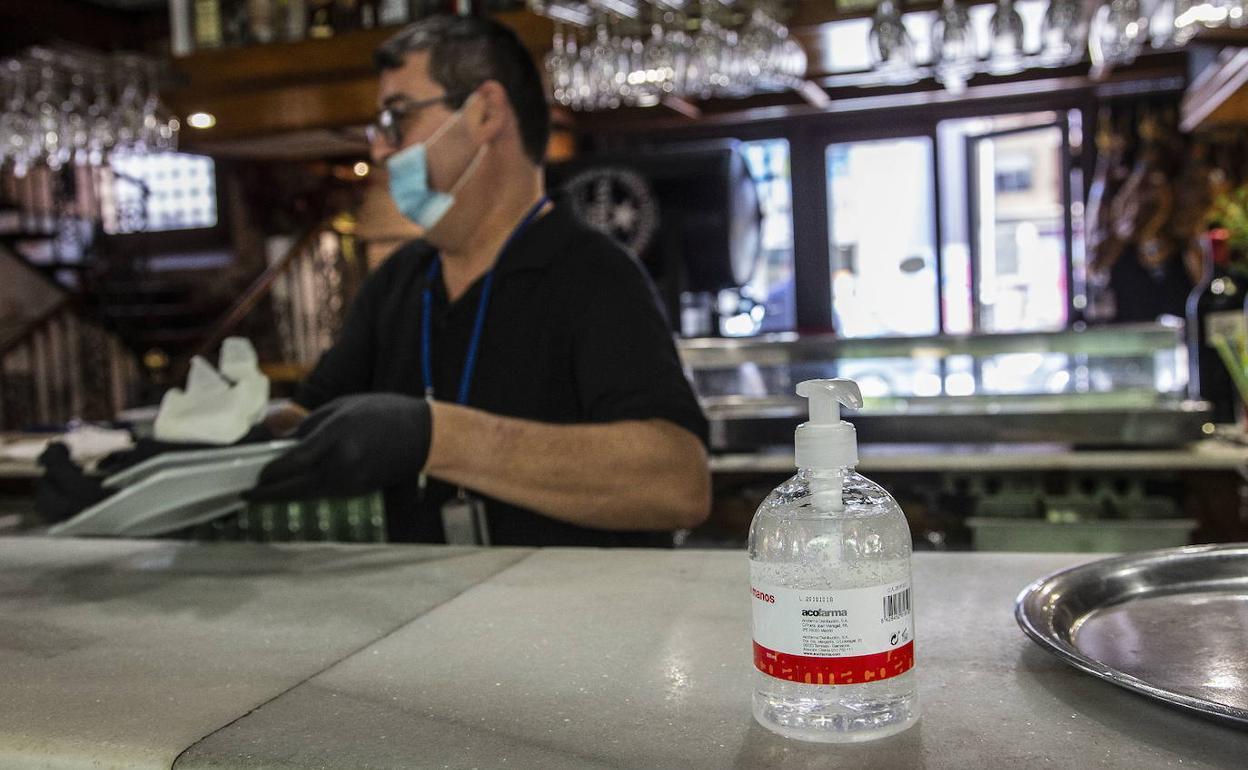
pixel 492 111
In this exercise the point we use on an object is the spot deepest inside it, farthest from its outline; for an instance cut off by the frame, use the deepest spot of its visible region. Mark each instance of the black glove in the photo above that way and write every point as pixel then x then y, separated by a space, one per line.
pixel 64 490
pixel 351 446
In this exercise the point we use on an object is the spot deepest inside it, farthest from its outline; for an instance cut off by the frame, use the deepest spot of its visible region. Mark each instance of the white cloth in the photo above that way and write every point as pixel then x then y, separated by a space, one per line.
pixel 216 407
pixel 86 444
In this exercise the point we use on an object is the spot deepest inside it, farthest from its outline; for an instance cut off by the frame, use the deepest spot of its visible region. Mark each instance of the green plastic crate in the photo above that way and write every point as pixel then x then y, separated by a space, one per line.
pixel 338 520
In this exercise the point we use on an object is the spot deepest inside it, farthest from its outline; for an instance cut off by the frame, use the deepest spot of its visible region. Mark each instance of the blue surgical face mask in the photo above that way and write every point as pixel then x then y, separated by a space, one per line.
pixel 409 181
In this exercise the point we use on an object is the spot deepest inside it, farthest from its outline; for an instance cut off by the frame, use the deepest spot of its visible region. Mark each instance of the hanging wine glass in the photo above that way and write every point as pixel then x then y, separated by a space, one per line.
pixel 16 122
pixel 58 107
pixel 579 97
pixel 100 138
pixel 681 42
pixel 659 61
pixel 793 58
pixel 1118 31
pixel 1005 44
pixel 757 41
pixel 558 67
pixel 892 50
pixel 160 127
pixel 955 52
pixel 1162 24
pixel 733 81
pixel 1190 16
pixel 599 68
pixel 626 60
pixel 1236 13
pixel 628 54
pixel 149 138
pixel 707 54
pixel 130 109
pixel 74 124
pixel 1062 34
pixel 47 124
pixel 631 78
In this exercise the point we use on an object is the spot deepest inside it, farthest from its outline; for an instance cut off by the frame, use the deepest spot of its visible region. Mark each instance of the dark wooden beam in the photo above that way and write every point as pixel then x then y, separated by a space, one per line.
pixel 262 67
pixel 1219 95
pixel 246 114
pixel 264 91
pixel 682 107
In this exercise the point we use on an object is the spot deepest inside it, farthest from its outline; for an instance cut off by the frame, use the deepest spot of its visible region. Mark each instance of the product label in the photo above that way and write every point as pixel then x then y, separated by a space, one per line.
pixel 847 636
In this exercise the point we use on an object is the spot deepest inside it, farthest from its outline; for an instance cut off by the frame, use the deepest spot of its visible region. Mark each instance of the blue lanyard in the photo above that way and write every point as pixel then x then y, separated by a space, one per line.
pixel 474 344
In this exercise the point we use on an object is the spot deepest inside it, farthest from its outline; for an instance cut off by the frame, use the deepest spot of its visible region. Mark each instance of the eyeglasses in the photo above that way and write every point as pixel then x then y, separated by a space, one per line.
pixel 388 126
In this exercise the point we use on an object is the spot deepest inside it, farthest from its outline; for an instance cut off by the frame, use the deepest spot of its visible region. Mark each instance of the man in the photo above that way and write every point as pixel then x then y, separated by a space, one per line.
pixel 514 356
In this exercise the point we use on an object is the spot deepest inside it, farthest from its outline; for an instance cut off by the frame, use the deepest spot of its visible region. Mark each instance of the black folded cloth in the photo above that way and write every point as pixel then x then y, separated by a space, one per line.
pixel 66 490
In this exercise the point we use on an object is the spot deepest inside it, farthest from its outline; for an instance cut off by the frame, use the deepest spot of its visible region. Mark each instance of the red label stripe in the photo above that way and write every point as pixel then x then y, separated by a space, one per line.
pixel 851 670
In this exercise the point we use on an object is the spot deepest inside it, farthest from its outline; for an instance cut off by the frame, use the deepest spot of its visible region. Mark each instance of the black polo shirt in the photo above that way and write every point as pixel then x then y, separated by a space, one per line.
pixel 573 334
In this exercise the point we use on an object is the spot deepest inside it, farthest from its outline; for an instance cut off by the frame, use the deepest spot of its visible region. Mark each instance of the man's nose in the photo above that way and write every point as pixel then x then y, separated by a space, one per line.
pixel 379 150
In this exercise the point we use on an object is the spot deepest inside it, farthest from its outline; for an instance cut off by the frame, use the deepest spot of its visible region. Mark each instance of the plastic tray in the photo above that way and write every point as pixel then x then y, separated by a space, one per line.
pixel 173 494
pixel 192 457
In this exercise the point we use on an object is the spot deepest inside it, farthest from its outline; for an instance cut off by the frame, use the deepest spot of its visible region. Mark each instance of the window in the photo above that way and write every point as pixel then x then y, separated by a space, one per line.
pixel 159 192
pixel 883 237
pixel 1013 173
pixel 771 287
pixel 1009 260
pixel 1010 235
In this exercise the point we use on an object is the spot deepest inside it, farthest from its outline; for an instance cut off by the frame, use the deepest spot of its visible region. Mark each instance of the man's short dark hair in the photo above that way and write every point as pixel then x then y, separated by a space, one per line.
pixel 465 52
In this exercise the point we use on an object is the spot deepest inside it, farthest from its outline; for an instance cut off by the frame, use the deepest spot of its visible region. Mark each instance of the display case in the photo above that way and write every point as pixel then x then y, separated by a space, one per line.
pixel 1106 386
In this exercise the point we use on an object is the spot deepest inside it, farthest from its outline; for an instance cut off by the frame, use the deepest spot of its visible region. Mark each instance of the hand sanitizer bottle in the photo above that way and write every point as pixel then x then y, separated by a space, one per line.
pixel 830 589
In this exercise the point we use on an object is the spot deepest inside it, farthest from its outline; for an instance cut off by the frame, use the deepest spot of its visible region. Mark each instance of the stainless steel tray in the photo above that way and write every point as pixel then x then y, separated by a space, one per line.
pixel 1169 624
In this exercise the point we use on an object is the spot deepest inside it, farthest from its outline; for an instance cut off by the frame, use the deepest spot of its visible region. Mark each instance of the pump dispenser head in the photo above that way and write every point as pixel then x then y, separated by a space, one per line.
pixel 826 441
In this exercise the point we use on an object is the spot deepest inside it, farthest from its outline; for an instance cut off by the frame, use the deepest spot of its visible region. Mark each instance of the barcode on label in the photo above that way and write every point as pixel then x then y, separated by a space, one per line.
pixel 897 605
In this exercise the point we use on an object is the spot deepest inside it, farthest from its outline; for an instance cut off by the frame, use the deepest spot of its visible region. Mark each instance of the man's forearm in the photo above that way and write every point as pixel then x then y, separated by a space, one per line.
pixel 284 419
pixel 630 475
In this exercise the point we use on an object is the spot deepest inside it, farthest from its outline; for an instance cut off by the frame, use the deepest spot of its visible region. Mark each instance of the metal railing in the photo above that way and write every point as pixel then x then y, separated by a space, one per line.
pixel 59 368
pixel 308 289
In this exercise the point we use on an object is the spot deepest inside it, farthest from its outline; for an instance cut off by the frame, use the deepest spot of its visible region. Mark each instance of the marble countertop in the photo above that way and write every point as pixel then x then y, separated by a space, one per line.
pixel 155 654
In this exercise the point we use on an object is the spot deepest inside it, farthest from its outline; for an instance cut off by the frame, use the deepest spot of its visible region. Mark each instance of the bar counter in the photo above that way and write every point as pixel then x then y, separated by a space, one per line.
pixel 157 654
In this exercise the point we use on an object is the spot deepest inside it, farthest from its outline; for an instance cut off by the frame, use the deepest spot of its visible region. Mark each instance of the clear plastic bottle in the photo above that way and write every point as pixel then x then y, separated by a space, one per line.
pixel 830 584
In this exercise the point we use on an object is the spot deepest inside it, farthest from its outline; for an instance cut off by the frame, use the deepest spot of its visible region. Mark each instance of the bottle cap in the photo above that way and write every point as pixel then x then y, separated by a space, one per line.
pixel 825 440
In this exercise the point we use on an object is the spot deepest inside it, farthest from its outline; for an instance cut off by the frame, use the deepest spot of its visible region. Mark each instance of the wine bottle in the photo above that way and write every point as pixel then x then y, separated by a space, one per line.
pixel 1215 308
pixel 261 20
pixel 294 19
pixel 234 29
pixel 369 13
pixel 207 24
pixel 393 12
pixel 320 18
pixel 346 16
pixel 181 37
